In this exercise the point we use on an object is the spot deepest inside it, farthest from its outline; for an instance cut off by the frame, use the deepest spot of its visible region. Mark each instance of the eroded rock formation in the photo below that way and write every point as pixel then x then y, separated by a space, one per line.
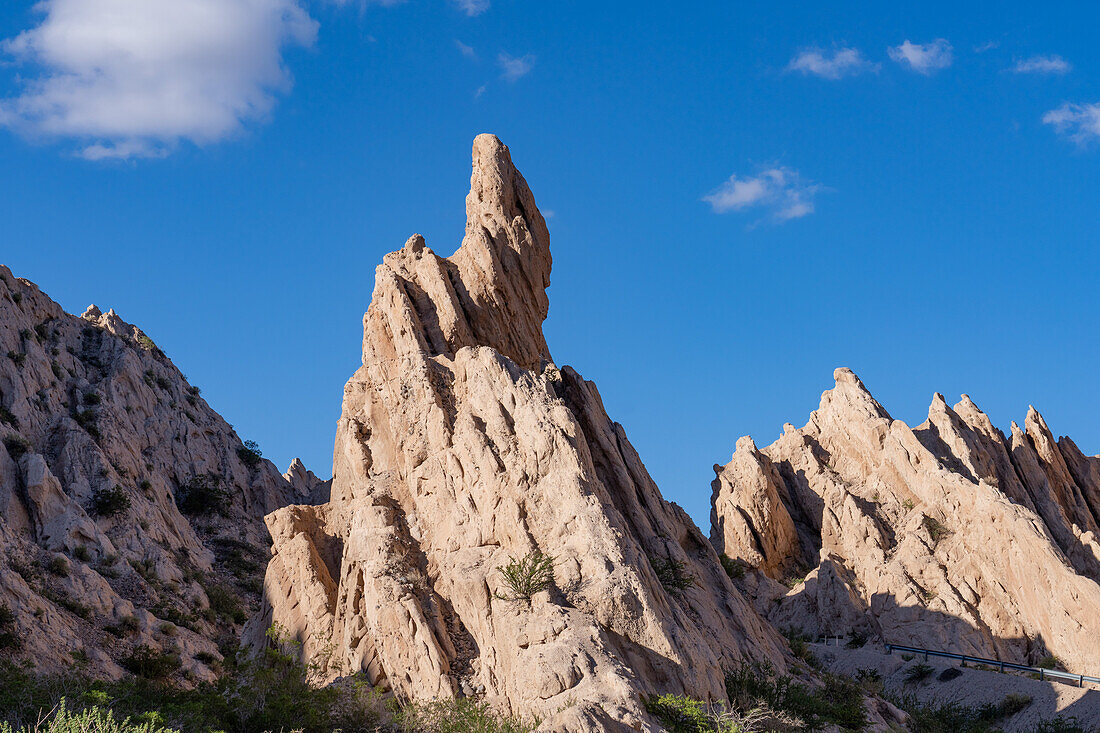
pixel 948 535
pixel 102 440
pixel 461 445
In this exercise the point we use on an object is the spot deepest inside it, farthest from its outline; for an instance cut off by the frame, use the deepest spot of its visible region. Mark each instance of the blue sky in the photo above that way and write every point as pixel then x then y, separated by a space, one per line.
pixel 743 196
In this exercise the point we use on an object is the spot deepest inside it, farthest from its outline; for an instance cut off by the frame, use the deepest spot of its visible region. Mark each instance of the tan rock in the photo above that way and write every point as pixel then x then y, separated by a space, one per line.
pixel 945 536
pixel 462 445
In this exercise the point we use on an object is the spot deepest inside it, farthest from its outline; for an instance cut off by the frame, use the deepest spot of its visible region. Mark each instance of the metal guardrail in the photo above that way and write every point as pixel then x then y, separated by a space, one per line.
pixel 1044 674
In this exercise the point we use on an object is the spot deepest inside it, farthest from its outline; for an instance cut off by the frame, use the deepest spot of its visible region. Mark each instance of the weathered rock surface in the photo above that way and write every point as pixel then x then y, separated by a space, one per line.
pixel 948 535
pixel 101 441
pixel 461 445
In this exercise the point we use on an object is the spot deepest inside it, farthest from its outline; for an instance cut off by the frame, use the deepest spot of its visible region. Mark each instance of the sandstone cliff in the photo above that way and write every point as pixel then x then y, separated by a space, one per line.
pixel 462 445
pixel 948 535
pixel 130 512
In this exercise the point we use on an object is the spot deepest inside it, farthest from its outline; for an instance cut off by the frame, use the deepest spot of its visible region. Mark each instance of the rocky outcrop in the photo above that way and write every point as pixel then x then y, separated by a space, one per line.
pixel 948 535
pixel 462 446
pixel 130 512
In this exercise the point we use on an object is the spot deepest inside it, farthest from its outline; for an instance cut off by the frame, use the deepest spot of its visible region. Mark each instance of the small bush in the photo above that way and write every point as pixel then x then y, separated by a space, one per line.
pixel 150 663
pixel 870 681
pixel 250 454
pixel 918 673
pixel 734 568
pixel 1050 662
pixel 838 702
pixel 146 343
pixel 18 358
pixel 80 552
pixel 671 573
pixel 458 716
pixel 59 566
pixel 109 502
pixel 87 420
pixel 17 298
pixel 225 603
pixel 7 417
pixel 800 646
pixel 935 529
pixel 203 494
pixel 90 720
pixel 527 576
pixel 856 640
pixel 679 714
pixel 92 398
pixel 17 447
pixel 9 638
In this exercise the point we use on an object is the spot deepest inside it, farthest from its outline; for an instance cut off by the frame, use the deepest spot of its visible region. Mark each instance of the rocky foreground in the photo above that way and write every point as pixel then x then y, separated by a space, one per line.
pixel 945 536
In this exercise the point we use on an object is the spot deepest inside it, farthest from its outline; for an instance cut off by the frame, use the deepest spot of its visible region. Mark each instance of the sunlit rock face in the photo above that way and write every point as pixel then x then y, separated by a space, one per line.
pixel 102 440
pixel 461 445
pixel 949 535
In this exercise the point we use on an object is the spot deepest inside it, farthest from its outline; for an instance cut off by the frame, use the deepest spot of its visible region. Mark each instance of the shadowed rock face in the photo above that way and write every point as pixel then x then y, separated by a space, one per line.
pixel 948 535
pixel 91 408
pixel 462 444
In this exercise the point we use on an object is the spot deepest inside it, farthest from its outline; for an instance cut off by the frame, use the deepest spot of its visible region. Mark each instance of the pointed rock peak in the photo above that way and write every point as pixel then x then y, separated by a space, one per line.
pixel 939 405
pixel 92 312
pixel 1035 424
pixel 788 428
pixel 415 244
pixel 844 375
pixel 1016 429
pixel 746 443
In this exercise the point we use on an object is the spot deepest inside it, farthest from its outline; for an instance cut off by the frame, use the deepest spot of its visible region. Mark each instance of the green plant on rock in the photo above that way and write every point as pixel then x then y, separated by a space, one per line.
pixel 109 502
pixel 679 714
pixel 457 716
pixel 203 494
pixel 90 720
pixel 526 576
pixel 250 454
pixel 936 530
pixel 16 446
pixel 734 568
pixel 918 673
pixel 672 573
pixel 9 638
pixel 151 663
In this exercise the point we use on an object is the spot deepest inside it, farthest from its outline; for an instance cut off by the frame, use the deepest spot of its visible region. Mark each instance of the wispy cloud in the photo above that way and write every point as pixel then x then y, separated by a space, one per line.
pixel 131 78
pixel 467 51
pixel 843 62
pixel 1078 122
pixel 926 58
pixel 779 191
pixel 472 7
pixel 987 46
pixel 1052 64
pixel 513 68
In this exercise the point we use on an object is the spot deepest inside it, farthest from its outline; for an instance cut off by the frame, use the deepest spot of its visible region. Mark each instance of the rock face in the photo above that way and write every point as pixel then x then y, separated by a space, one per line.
pixel 462 445
pixel 948 535
pixel 127 505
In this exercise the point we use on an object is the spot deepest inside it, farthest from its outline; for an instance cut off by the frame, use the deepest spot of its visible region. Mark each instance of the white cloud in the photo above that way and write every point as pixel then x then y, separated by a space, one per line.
pixel 1053 64
pixel 924 58
pixel 472 7
pixel 778 190
pixel 843 62
pixel 1078 122
pixel 467 51
pixel 987 46
pixel 513 68
pixel 128 78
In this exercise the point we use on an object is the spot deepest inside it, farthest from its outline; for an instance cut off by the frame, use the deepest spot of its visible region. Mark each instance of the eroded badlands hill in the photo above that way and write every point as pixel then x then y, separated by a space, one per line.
pixel 130 512
pixel 461 445
pixel 948 535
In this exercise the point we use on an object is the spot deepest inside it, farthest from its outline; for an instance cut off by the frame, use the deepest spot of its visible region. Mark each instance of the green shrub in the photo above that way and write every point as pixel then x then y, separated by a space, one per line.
pixel 87 420
pixel 800 647
pixel 58 565
pixel 7 417
pixel 250 454
pixel 203 494
pixel 526 576
pixel 90 720
pixel 671 572
pixel 92 398
pixel 17 447
pixel 838 702
pixel 225 603
pixel 9 638
pixel 17 298
pixel 734 568
pixel 957 718
pixel 1050 662
pixel 918 673
pixel 679 714
pixel 146 343
pixel 146 661
pixel 935 529
pixel 109 502
pixel 80 552
pixel 458 716
pixel 856 640
pixel 18 358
